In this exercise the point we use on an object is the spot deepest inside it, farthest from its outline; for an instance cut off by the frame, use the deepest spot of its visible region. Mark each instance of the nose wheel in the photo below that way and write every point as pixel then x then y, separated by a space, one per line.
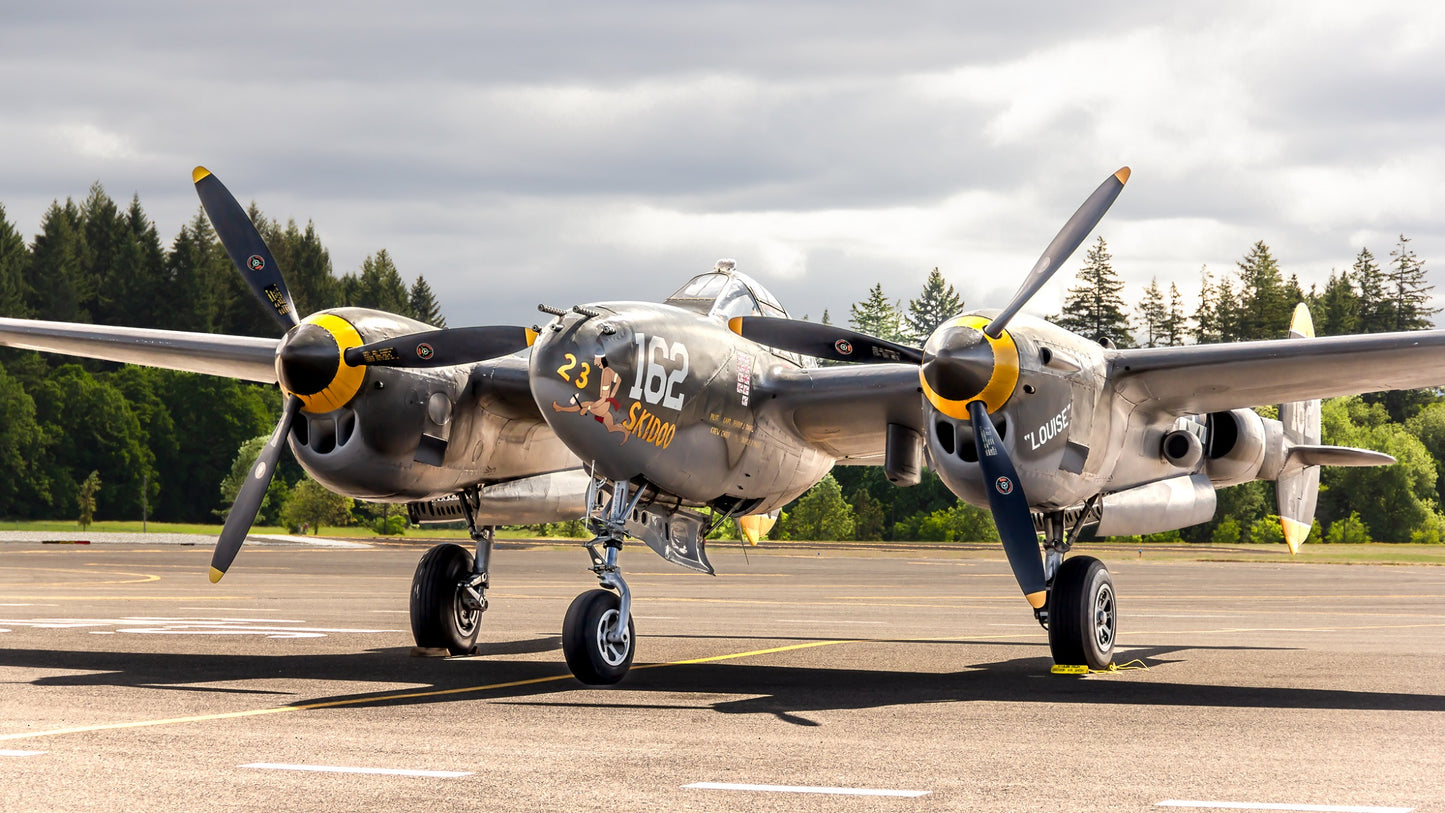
pixel 597 634
pixel 596 641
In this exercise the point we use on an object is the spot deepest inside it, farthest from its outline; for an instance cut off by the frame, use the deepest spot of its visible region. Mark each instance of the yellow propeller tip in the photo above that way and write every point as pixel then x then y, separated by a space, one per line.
pixel 1122 175
pixel 735 324
pixel 1036 600
pixel 198 173
pixel 216 575
pixel 531 337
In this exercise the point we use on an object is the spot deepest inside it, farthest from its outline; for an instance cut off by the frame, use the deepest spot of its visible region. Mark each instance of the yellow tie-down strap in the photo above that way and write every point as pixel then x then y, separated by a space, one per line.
pixel 1066 669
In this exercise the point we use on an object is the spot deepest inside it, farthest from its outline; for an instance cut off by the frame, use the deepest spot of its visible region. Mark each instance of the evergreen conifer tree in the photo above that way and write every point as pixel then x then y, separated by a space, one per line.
pixel 876 316
pixel 13 258
pixel 1408 292
pixel 1375 316
pixel 1207 327
pixel 1175 322
pixel 1265 302
pixel 1153 314
pixel 1095 307
pixel 197 269
pixel 134 290
pixel 1336 310
pixel 380 285
pixel 106 235
pixel 55 277
pixel 306 263
pixel 937 302
pixel 424 306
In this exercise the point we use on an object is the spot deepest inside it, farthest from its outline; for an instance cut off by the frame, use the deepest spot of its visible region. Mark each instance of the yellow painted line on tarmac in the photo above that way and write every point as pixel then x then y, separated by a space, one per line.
pixel 362 701
pixel 717 658
pixel 138 578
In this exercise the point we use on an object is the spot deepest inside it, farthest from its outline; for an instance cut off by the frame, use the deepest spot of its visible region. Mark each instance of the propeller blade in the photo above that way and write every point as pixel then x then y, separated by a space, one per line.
pixel 1064 244
pixel 245 247
pixel 442 348
pixel 248 499
pixel 1009 505
pixel 822 341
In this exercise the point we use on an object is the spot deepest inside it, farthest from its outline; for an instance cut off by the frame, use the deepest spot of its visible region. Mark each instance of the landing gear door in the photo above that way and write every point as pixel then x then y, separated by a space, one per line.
pixel 676 537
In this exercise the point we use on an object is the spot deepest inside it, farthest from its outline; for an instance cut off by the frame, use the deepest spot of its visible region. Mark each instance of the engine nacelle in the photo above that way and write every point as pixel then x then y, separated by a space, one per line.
pixel 1242 446
pixel 416 434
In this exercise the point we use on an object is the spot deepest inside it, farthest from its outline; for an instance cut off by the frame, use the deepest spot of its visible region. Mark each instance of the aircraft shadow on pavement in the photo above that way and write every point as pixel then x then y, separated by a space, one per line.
pixel 788 693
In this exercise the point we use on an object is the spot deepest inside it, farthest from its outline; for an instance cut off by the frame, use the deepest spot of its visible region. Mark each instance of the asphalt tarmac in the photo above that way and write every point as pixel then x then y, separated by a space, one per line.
pixel 796 680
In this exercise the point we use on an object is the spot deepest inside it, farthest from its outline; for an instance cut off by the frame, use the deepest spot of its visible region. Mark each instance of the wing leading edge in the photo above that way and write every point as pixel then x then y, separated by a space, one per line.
pixel 845 411
pixel 1211 378
pixel 245 357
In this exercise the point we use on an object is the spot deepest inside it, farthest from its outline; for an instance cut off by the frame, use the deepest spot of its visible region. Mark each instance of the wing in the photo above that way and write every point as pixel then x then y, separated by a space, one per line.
pixel 1210 378
pixel 845 411
pixel 244 357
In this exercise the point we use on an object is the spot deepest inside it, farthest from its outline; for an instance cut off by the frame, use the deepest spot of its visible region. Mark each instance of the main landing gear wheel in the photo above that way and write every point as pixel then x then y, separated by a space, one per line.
pixel 443 613
pixel 1083 615
pixel 596 653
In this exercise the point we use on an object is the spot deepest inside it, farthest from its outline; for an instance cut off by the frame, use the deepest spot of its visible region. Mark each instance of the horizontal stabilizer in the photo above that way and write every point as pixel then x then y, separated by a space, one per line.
pixel 1336 456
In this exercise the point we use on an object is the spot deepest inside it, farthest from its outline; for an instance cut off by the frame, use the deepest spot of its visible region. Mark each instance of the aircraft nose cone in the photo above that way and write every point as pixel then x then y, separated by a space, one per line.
pixel 958 363
pixel 308 360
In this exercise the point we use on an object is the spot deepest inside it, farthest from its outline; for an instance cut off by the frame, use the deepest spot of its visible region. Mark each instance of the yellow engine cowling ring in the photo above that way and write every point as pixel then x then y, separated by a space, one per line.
pixel 345 382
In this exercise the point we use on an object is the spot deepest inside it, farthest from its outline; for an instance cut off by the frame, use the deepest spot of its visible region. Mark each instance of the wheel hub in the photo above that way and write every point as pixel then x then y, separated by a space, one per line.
pixel 1104 618
pixel 609 626
pixel 466 611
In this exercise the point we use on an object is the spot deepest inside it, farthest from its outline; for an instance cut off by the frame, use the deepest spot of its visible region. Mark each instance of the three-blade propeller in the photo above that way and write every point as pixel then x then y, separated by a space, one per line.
pixel 959 369
pixel 309 358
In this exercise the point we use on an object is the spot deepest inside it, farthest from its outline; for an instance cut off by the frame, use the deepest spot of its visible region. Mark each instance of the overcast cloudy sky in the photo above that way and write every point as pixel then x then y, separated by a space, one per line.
pixel 561 152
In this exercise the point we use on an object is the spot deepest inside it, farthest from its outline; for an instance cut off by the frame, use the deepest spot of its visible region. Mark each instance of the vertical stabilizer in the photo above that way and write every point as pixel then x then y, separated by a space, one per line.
pixel 1298 486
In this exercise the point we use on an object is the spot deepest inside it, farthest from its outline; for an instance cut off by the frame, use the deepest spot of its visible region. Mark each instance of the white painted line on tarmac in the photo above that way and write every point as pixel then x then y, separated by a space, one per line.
pixel 1276 806
pixel 806 789
pixel 821 621
pixel 233 610
pixel 279 766
pixel 4 753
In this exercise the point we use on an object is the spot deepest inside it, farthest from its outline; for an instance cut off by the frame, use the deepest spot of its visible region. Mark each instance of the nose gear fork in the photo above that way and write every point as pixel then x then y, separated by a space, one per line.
pixel 597 634
pixel 610 529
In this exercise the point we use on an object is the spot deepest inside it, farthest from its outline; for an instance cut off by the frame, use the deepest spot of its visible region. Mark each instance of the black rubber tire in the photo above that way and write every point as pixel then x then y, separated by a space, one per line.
pixel 1083 614
pixel 591 658
pixel 439 619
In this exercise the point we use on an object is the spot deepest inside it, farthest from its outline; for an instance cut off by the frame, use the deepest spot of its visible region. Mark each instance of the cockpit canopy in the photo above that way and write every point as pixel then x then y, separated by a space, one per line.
pixel 726 292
